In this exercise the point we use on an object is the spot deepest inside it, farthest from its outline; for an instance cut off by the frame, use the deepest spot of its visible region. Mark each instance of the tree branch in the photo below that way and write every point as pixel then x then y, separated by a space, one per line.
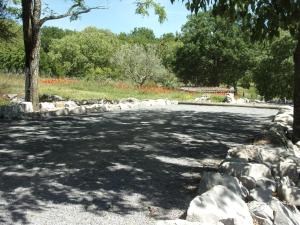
pixel 70 13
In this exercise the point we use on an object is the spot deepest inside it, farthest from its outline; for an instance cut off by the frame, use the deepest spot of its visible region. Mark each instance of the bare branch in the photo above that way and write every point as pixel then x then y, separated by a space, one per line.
pixel 70 13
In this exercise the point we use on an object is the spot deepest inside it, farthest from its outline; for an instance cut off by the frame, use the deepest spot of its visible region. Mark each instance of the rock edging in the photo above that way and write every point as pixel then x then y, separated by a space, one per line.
pixel 257 184
pixel 23 110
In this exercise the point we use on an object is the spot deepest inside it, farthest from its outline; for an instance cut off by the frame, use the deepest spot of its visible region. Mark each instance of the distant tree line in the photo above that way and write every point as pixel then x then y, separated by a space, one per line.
pixel 209 52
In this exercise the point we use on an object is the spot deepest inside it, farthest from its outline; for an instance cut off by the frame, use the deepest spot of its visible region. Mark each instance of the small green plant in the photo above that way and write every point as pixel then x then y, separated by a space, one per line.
pixel 217 98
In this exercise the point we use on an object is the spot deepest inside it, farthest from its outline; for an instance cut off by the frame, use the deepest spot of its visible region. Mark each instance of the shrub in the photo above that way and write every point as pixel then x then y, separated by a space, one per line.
pixel 140 64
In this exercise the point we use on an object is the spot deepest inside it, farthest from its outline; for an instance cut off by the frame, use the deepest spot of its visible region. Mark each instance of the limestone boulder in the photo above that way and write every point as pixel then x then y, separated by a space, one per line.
pixel 250 153
pixel 70 104
pixel 78 110
pixel 284 214
pixel 211 179
pixel 289 168
pixel 219 204
pixel 288 192
pixel 261 212
pixel 239 169
pixel 25 107
pixel 47 106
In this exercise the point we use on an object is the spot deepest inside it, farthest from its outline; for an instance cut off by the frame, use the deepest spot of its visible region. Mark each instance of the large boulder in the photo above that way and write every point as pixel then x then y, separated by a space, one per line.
pixel 289 168
pixel 219 204
pixel 78 110
pixel 238 169
pixel 70 104
pixel 288 192
pixel 25 107
pixel 285 118
pixel 211 179
pixel 47 106
pixel 283 214
pixel 248 152
pixel 261 194
pixel 261 212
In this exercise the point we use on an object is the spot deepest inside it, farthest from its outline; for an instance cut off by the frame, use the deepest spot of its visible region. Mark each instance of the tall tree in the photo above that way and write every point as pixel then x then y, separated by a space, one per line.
pixel 32 23
pixel 214 51
pixel 264 19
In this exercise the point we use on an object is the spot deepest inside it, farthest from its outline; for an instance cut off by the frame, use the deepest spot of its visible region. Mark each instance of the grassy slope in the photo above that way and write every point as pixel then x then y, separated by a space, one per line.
pixel 82 89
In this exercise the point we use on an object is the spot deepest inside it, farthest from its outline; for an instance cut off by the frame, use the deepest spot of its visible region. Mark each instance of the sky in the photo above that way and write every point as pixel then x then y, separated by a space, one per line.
pixel 120 16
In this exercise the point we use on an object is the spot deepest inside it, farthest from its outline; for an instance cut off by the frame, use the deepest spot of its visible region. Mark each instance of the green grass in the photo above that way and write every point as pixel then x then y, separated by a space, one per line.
pixel 217 98
pixel 82 89
pixel 250 93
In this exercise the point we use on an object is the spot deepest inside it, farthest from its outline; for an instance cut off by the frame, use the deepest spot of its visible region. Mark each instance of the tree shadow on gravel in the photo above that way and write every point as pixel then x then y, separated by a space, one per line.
pixel 119 162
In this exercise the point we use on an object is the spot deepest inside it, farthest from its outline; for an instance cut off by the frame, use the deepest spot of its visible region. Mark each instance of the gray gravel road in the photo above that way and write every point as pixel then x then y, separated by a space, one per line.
pixel 129 167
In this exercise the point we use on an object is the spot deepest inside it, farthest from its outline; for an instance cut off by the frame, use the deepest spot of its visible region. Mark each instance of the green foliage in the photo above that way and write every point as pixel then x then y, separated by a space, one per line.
pixel 166 50
pixel 140 35
pixel 263 18
pixel 80 53
pixel 214 51
pixel 12 50
pixel 143 7
pixel 273 74
pixel 217 98
pixel 50 33
pixel 139 63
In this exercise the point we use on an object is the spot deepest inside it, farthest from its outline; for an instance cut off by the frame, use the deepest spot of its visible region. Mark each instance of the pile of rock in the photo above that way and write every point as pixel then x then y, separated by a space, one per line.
pixel 203 99
pixel 62 108
pixel 256 184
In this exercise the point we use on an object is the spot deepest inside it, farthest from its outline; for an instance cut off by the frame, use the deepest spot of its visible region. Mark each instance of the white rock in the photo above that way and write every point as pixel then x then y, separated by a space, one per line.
pixel 70 104
pixel 270 156
pixel 247 152
pixel 230 98
pixel 78 110
pixel 211 179
pixel 25 107
pixel 217 204
pixel 285 118
pixel 111 107
pixel 289 193
pixel 284 215
pixel 47 106
pixel 178 222
pixel 61 112
pixel 239 169
pixel 262 213
pixel 125 106
pixel 92 108
pixel 289 168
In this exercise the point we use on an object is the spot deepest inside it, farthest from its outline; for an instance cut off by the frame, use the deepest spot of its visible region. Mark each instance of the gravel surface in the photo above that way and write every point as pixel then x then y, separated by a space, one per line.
pixel 129 167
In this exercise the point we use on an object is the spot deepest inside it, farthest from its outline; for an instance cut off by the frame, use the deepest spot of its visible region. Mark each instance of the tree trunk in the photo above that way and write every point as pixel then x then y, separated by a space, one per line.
pixel 296 126
pixel 31 33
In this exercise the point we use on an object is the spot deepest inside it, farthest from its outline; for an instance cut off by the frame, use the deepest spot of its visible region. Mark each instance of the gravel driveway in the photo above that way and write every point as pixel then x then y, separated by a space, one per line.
pixel 129 167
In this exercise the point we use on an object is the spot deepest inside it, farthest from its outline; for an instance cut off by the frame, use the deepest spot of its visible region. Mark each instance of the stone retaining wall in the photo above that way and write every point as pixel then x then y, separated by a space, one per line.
pixel 23 110
pixel 257 184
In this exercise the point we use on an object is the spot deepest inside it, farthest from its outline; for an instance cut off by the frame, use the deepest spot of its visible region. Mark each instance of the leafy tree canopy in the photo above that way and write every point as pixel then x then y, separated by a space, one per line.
pixel 214 51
